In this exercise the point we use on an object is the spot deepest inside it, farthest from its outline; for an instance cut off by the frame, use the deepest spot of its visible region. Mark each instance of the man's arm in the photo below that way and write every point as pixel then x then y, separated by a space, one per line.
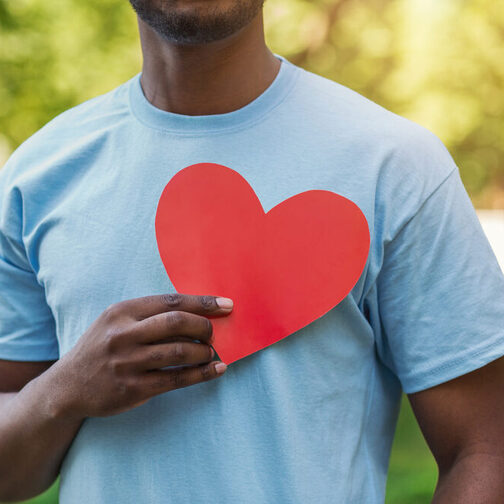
pixel 31 441
pixel 463 423
pixel 134 350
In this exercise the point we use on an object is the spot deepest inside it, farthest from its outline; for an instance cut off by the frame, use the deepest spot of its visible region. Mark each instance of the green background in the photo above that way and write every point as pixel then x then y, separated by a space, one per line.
pixel 437 62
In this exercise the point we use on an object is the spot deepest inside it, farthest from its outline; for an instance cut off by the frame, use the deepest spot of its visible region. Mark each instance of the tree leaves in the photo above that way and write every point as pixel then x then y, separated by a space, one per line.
pixel 437 63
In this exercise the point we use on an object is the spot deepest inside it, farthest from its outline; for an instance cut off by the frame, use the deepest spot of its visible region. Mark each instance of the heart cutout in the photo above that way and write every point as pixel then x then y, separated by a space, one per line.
pixel 283 269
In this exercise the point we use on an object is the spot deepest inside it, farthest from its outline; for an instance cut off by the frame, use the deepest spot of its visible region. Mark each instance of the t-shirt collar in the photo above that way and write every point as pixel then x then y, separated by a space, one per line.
pixel 156 118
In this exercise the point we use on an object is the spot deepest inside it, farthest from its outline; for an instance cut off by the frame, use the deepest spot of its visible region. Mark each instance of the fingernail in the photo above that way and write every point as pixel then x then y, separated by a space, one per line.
pixel 224 303
pixel 220 368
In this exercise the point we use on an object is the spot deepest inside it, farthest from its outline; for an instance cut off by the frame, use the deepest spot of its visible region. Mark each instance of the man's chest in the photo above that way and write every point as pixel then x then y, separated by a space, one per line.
pixel 99 246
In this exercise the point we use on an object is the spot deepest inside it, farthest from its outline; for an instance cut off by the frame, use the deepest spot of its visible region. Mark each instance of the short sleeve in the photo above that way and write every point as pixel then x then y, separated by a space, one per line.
pixel 27 329
pixel 440 293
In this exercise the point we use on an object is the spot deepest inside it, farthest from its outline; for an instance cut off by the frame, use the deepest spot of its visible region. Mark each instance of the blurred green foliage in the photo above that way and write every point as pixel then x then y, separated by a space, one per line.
pixel 412 472
pixel 437 63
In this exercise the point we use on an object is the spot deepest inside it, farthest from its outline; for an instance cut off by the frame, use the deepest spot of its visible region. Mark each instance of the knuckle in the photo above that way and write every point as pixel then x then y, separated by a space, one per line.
pixel 134 390
pixel 177 353
pixel 206 373
pixel 155 355
pixel 117 366
pixel 112 338
pixel 123 390
pixel 171 300
pixel 175 320
pixel 208 303
pixel 128 393
pixel 158 383
pixel 209 328
pixel 112 312
pixel 178 380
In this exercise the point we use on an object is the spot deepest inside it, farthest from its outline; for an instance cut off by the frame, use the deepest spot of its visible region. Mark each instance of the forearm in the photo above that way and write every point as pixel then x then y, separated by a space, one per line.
pixel 473 479
pixel 34 438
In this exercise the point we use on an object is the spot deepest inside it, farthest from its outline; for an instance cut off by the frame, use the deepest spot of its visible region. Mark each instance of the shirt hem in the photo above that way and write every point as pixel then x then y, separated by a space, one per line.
pixel 455 368
pixel 31 353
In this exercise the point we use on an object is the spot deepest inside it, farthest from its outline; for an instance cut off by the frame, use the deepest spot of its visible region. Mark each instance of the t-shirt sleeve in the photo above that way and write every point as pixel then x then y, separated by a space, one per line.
pixel 27 329
pixel 440 293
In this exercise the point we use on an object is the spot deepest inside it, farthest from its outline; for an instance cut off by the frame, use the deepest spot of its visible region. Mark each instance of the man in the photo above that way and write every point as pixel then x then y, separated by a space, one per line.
pixel 108 375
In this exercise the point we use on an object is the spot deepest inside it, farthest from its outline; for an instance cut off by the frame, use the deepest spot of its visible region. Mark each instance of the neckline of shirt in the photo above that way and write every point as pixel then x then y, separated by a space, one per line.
pixel 157 118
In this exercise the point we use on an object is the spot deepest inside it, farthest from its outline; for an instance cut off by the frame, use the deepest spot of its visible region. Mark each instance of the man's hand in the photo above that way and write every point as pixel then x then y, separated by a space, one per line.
pixel 117 363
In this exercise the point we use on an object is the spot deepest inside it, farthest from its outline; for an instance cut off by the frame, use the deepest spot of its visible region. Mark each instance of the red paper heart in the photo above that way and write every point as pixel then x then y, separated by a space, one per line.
pixel 283 269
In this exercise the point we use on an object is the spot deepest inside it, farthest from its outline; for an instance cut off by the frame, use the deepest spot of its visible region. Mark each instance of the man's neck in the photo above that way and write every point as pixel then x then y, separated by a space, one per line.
pixel 213 78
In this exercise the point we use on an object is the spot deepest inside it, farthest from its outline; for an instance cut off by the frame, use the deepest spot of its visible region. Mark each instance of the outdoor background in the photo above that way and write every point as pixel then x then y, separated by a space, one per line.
pixel 436 62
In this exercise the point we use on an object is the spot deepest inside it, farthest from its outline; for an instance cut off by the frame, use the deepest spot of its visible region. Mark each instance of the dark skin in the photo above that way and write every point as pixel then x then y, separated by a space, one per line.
pixel 116 364
pixel 463 423
pixel 209 79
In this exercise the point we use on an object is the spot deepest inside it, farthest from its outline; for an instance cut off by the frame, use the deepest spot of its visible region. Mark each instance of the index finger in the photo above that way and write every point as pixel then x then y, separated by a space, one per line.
pixel 148 306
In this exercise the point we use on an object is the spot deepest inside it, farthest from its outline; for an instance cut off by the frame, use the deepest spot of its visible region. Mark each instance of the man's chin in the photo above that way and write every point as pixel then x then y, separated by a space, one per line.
pixel 196 21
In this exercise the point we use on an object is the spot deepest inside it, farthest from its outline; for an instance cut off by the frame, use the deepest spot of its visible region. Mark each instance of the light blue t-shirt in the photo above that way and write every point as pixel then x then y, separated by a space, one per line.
pixel 311 418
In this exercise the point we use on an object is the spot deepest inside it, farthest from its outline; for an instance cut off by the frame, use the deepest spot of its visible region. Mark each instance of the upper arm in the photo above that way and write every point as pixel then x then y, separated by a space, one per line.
pixel 464 416
pixel 27 326
pixel 440 294
pixel 14 375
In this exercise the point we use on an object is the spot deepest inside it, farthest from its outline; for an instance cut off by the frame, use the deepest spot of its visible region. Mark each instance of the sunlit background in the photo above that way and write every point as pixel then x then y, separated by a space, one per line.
pixel 437 62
